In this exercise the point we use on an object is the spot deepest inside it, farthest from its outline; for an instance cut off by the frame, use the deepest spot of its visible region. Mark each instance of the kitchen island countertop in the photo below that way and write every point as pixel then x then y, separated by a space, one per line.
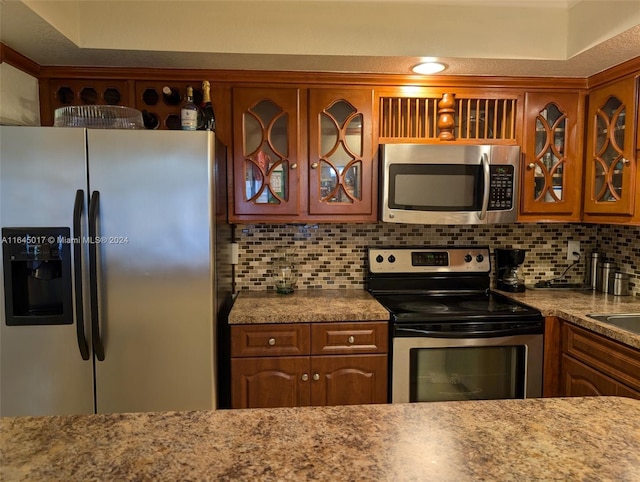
pixel 592 438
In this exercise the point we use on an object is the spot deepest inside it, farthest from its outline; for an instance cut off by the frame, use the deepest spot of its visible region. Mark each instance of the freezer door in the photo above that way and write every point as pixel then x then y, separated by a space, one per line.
pixel 154 269
pixel 42 370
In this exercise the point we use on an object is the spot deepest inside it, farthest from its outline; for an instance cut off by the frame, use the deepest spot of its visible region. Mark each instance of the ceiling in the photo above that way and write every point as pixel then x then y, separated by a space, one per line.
pixel 548 38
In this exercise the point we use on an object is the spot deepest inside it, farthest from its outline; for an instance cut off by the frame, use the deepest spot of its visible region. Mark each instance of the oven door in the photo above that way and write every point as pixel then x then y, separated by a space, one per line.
pixel 441 369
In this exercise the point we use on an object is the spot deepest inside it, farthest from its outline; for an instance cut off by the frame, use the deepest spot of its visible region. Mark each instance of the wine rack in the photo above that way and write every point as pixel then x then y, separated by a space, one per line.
pixel 88 92
pixel 160 111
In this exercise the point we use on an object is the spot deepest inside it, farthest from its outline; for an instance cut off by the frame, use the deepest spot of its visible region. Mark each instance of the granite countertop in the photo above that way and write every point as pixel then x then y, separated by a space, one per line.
pixel 591 438
pixel 575 305
pixel 306 306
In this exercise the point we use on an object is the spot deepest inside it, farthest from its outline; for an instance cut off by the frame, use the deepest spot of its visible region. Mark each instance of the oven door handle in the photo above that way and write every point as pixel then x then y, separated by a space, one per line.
pixel 487 187
pixel 535 328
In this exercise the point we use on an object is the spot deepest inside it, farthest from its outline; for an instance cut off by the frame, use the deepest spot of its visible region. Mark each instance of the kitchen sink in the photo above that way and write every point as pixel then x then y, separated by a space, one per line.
pixel 626 321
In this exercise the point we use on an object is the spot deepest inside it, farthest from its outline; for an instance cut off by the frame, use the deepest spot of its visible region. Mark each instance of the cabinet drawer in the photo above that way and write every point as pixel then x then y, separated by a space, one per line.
pixel 344 338
pixel 610 357
pixel 270 340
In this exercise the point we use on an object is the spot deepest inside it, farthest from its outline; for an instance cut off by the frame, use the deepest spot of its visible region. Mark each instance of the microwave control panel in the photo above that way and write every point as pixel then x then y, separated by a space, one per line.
pixel 501 187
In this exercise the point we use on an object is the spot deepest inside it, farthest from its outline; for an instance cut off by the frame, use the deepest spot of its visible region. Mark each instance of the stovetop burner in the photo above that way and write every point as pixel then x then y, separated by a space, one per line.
pixel 425 306
pixel 419 307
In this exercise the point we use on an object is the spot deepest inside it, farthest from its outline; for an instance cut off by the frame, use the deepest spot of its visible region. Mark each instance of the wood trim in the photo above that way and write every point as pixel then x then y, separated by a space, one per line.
pixel 630 67
pixel 264 78
pixel 19 61
pixel 551 371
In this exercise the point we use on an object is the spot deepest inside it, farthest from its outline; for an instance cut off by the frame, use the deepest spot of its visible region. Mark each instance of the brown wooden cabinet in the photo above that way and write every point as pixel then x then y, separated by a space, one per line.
pixel 552 157
pixel 303 154
pixel 334 364
pixel 596 365
pixel 612 177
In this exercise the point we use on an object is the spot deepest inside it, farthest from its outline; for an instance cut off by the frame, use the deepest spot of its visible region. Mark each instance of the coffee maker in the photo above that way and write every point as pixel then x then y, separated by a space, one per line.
pixel 508 277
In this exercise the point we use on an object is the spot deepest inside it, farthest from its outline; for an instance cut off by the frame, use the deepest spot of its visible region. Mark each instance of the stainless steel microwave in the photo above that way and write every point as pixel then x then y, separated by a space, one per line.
pixel 449 184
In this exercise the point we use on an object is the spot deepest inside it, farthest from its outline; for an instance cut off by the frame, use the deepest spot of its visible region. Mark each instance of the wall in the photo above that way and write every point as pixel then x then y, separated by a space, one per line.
pixel 334 256
pixel 19 100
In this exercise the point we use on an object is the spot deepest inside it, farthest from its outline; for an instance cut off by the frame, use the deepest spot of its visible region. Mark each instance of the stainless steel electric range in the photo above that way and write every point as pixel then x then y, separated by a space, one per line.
pixel 452 337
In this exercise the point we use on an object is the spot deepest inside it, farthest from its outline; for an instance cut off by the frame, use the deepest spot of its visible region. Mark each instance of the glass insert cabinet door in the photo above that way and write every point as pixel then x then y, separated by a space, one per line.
pixel 265 149
pixel 551 131
pixel 553 164
pixel 340 151
pixel 610 167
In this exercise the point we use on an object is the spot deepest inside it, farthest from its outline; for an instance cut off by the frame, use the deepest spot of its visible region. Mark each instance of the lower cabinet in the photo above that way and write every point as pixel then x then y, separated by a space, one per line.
pixel 596 365
pixel 332 364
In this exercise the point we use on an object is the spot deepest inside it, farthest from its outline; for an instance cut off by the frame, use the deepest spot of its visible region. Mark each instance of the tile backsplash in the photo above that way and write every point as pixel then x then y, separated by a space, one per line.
pixel 334 255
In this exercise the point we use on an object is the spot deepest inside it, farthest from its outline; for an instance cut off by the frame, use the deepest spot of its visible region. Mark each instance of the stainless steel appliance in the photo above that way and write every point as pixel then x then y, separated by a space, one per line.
pixel 110 281
pixel 508 277
pixel 449 184
pixel 452 337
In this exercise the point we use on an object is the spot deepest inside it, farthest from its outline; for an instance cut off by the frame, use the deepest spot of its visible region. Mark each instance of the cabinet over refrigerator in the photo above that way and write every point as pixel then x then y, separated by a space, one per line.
pixel 110 282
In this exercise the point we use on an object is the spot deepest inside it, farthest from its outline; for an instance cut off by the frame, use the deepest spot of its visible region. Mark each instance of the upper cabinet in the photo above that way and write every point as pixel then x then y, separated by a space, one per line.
pixel 266 127
pixel 611 174
pixel 303 154
pixel 340 152
pixel 552 156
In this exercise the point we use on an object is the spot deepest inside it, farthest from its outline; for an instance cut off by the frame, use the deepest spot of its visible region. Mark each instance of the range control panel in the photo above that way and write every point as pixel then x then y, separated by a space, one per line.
pixel 406 260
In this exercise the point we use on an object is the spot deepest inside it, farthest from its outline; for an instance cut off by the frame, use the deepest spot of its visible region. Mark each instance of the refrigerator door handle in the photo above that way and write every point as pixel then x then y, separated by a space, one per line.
pixel 77 263
pixel 94 203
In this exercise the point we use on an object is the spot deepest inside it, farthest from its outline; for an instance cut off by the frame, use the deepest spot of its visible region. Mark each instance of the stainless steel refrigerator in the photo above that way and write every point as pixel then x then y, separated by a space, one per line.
pixel 114 268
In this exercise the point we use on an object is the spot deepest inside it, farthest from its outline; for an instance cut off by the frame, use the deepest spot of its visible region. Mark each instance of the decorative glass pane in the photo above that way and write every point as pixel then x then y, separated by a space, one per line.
pixel 329 134
pixel 279 136
pixel 328 181
pixel 266 150
pixel 341 143
pixel 353 137
pixel 551 126
pixel 254 181
pixel 352 181
pixel 618 130
pixel 340 111
pixel 266 111
pixel 252 133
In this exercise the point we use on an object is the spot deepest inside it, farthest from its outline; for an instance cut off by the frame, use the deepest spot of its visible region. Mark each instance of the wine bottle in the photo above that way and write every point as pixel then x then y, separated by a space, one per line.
pixel 170 95
pixel 189 112
pixel 150 120
pixel 207 118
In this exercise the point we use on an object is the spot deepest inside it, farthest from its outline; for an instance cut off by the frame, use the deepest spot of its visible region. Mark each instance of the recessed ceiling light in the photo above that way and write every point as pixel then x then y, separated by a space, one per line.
pixel 427 68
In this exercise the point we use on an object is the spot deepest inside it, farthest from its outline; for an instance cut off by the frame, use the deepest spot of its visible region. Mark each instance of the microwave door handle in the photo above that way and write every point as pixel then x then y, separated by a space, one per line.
pixel 487 181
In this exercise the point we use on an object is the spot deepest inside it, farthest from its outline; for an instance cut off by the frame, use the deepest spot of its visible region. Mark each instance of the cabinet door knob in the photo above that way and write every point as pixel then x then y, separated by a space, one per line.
pixel 314 165
pixel 294 166
pixel 351 339
pixel 625 161
pixel 272 341
pixel 305 377
pixel 316 377
pixel 531 165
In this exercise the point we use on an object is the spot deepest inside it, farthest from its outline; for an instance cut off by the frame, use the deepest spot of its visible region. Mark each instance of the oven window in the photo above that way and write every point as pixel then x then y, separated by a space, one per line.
pixel 436 187
pixel 467 373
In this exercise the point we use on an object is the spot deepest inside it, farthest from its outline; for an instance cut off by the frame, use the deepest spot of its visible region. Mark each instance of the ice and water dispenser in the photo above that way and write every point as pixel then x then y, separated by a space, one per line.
pixel 37 276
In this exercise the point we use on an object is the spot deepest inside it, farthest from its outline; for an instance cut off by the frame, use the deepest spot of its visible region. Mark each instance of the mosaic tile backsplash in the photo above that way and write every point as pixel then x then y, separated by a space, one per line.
pixel 332 256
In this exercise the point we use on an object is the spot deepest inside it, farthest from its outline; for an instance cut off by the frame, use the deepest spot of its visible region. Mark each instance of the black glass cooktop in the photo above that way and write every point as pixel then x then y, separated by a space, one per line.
pixel 421 307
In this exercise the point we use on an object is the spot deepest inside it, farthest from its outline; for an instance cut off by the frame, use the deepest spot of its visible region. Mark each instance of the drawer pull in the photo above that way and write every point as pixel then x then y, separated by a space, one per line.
pixel 316 377
pixel 272 341
pixel 305 377
pixel 351 339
